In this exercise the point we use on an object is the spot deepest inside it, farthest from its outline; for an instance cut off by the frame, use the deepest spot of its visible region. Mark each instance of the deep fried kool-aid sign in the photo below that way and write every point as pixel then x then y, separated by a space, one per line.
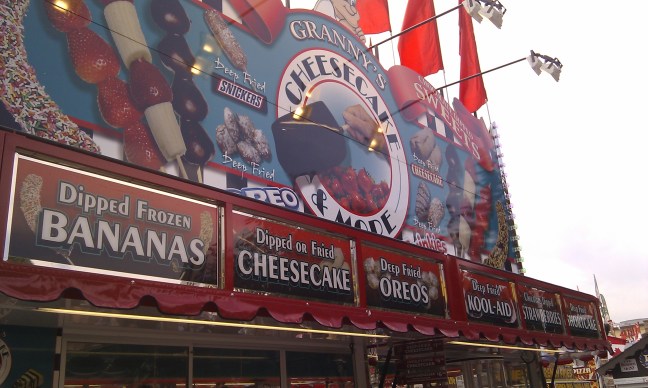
pixel 489 300
pixel 283 259
pixel 67 218
pixel 285 106
pixel 394 281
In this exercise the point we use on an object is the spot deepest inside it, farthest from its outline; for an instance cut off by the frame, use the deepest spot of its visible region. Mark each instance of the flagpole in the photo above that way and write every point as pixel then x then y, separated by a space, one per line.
pixel 414 26
pixel 482 73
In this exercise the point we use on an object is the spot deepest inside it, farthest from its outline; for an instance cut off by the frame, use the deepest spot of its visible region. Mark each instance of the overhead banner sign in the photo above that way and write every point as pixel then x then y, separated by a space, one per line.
pixel 489 300
pixel 273 257
pixel 258 97
pixel 68 218
pixel 541 310
pixel 582 318
pixel 398 282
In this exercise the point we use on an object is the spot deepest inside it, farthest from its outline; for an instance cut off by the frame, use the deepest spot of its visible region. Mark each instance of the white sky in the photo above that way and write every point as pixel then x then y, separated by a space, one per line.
pixel 574 149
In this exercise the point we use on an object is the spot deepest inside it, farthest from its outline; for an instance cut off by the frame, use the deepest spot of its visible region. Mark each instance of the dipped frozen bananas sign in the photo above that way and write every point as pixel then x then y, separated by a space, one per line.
pixel 67 218
pixel 289 102
pixel 273 257
pixel 398 282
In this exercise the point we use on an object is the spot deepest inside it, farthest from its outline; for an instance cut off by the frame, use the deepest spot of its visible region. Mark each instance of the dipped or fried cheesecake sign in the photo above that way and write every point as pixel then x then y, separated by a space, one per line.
pixel 489 300
pixel 284 259
pixel 69 218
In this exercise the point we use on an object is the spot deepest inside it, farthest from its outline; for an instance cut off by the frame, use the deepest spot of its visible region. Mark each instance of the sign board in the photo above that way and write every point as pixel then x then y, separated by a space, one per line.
pixel 489 300
pixel 69 218
pixel 290 100
pixel 629 365
pixel 582 318
pixel 395 281
pixel 273 257
pixel 421 362
pixel 540 309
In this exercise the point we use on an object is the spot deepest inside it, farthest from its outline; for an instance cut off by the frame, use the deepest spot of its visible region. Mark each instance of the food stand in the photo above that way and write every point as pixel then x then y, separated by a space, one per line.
pixel 242 195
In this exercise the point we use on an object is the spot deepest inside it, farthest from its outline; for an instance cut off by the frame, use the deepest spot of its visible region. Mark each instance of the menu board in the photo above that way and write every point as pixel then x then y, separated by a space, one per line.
pixel 540 310
pixel 421 362
pixel 270 256
pixel 69 218
pixel 489 300
pixel 399 282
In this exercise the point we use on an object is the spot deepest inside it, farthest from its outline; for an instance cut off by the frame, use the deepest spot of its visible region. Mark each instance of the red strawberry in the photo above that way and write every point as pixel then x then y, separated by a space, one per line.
pixel 349 181
pixel 115 104
pixel 365 182
pixel 93 59
pixel 68 16
pixel 140 148
pixel 148 86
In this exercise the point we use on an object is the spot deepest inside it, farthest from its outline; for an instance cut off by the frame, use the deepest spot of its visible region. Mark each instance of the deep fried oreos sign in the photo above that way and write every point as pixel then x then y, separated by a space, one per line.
pixel 68 218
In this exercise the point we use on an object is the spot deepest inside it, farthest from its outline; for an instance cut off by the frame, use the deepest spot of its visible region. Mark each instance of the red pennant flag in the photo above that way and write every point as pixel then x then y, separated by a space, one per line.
pixel 419 49
pixel 374 16
pixel 472 92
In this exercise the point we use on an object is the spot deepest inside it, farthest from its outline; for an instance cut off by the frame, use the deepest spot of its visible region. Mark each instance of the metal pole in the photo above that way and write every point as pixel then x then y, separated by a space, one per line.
pixel 553 374
pixel 482 73
pixel 414 26
pixel 383 373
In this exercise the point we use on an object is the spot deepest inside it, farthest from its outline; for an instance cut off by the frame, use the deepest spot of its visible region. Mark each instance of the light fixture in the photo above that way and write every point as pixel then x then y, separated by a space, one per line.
pixel 541 62
pixel 553 67
pixel 62 5
pixel 201 65
pixel 538 62
pixel 535 63
pixel 133 317
pixel 302 112
pixel 209 44
pixel 494 11
pixel 473 7
pixel 497 346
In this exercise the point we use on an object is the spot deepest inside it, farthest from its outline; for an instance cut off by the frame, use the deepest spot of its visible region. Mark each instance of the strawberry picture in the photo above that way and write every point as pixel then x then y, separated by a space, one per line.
pixel 115 104
pixel 355 191
pixel 148 86
pixel 69 16
pixel 93 59
pixel 140 148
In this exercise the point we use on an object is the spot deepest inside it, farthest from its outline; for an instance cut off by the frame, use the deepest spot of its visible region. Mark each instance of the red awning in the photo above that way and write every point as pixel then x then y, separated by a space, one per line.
pixel 40 284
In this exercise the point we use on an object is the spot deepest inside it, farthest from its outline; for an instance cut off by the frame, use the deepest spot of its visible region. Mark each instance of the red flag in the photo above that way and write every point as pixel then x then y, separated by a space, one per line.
pixel 374 16
pixel 472 92
pixel 419 49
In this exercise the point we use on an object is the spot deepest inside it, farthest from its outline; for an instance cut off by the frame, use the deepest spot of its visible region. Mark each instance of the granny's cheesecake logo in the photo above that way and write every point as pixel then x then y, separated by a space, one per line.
pixel 337 139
